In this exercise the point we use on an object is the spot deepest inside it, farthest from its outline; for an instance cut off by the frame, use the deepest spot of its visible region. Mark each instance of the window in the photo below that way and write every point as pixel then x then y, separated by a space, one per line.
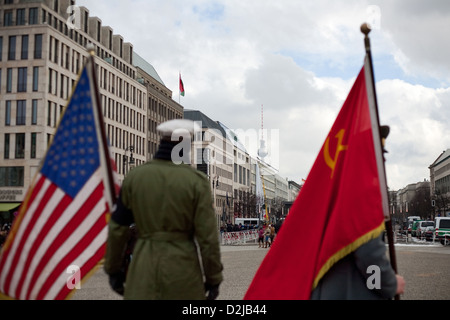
pixel 9 80
pixel 35 78
pixel 20 20
pixel 33 146
pixel 6 148
pixel 8 113
pixel 8 18
pixel 22 80
pixel 11 176
pixel 21 113
pixel 33 17
pixel 1 48
pixel 34 110
pixel 38 46
pixel 24 53
pixel 20 146
pixel 12 48
pixel 49 113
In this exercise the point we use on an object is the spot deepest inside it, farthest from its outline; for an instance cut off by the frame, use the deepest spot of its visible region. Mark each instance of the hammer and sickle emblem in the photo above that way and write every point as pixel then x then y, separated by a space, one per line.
pixel 331 162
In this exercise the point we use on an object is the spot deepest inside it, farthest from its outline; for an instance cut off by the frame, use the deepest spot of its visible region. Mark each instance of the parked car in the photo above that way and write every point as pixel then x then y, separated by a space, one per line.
pixel 414 227
pixel 429 234
pixel 423 227
pixel 442 229
pixel 410 222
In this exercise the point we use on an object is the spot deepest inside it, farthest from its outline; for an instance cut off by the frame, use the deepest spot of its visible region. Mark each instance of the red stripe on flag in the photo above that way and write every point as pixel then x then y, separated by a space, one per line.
pixel 92 261
pixel 71 256
pixel 56 214
pixel 65 233
pixel 19 249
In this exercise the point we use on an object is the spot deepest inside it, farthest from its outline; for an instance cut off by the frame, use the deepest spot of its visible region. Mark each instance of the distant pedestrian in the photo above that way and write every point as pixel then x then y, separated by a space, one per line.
pixel 272 234
pixel 261 237
pixel 267 236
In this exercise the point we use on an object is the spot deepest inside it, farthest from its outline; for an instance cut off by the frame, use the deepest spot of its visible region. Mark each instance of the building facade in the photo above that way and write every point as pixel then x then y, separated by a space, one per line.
pixel 42 51
pixel 440 184
pixel 212 154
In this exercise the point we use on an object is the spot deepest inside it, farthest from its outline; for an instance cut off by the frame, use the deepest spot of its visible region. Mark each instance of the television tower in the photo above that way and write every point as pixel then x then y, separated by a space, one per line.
pixel 262 151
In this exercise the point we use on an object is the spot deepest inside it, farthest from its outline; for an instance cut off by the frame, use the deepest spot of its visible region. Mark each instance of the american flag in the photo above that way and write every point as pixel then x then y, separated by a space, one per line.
pixel 59 236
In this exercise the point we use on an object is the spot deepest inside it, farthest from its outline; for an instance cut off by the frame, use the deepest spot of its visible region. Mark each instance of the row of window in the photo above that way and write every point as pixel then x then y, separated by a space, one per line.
pixel 21 77
pixel 12 51
pixel 21 112
pixel 11 176
pixel 120 139
pixel 241 174
pixel 163 111
pixel 123 114
pixel 19 143
pixel 72 60
pixel 443 184
pixel 22 17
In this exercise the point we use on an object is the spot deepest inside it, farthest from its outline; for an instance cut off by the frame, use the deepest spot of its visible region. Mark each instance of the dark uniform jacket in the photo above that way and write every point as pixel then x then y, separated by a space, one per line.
pixel 347 279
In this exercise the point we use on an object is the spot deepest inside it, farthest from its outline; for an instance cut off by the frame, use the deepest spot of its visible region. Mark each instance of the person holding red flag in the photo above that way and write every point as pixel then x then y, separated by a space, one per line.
pixel 344 204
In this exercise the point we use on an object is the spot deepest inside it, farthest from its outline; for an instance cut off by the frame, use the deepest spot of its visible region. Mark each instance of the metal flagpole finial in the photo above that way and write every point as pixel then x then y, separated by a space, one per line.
pixel 90 48
pixel 365 28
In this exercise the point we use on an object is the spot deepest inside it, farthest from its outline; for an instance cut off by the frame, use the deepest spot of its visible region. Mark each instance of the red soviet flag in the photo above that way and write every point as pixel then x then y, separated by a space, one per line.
pixel 340 207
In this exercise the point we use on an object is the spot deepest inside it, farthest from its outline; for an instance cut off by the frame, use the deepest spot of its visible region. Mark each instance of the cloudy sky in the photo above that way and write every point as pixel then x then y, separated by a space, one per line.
pixel 299 59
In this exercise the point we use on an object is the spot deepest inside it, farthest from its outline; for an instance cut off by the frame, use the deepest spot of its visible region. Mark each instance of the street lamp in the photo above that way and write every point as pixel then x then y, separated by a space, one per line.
pixel 125 159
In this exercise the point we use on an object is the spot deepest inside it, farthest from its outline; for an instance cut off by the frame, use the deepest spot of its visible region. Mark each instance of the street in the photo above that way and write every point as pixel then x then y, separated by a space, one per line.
pixel 425 267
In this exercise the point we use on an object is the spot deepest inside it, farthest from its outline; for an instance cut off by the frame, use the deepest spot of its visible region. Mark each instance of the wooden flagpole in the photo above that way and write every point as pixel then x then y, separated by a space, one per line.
pixel 384 132
pixel 104 141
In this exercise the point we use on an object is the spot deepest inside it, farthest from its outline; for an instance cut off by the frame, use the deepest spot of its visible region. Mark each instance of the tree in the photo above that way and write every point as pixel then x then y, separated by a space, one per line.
pixel 420 204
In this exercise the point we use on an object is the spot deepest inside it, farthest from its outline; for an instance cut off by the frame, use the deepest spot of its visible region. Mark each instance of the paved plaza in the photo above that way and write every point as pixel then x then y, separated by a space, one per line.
pixel 424 266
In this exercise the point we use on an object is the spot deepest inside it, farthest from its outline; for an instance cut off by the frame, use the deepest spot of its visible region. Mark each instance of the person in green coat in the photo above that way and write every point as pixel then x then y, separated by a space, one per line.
pixel 177 252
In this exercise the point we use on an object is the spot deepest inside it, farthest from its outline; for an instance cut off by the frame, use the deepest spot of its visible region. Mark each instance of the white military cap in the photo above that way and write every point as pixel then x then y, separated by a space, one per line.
pixel 177 127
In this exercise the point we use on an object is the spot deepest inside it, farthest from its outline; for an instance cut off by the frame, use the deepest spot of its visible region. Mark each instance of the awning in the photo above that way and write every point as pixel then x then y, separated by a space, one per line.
pixel 9 206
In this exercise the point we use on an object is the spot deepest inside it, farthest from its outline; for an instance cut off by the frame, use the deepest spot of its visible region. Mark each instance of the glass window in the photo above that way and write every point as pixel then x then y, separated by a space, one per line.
pixel 6 149
pixel 21 113
pixel 8 113
pixel 20 146
pixel 33 146
pixel 22 80
pixel 38 46
pixel 34 110
pixel 12 48
pixel 20 20
pixel 8 18
pixel 33 17
pixel 1 48
pixel 49 113
pixel 24 53
pixel 11 176
pixel 9 80
pixel 35 78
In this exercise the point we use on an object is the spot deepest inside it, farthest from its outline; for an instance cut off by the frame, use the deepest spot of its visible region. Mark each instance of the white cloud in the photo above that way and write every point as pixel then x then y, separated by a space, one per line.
pixel 299 59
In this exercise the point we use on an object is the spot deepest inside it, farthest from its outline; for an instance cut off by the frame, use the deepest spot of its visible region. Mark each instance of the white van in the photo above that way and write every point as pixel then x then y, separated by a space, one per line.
pixel 442 229
pixel 252 222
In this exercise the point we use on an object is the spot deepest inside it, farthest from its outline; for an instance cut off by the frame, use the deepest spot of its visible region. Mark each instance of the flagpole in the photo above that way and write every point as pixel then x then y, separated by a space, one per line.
pixel 384 131
pixel 91 50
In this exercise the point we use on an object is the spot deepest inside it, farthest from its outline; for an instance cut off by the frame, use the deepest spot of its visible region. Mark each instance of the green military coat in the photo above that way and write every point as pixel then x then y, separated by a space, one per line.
pixel 172 208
